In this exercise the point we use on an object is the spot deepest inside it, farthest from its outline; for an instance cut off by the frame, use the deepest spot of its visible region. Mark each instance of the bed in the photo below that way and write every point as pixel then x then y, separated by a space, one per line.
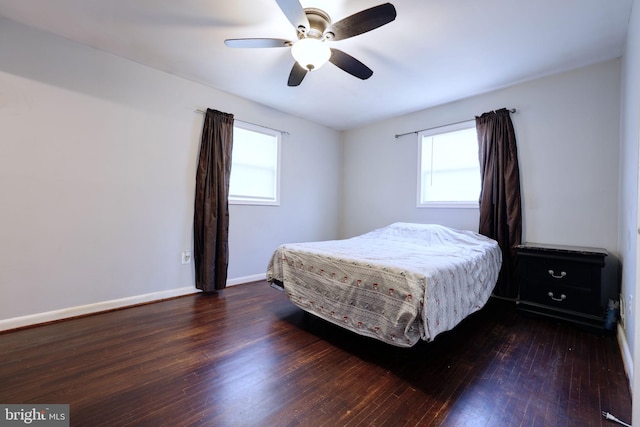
pixel 399 284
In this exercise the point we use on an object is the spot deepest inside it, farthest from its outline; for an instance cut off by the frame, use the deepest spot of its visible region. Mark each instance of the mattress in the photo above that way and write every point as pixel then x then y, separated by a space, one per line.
pixel 399 284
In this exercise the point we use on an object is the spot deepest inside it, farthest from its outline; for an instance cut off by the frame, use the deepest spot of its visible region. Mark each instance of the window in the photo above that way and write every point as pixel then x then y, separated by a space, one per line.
pixel 448 167
pixel 254 165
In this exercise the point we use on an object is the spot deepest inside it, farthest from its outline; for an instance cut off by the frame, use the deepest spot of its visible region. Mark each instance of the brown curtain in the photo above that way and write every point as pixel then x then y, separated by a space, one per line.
pixel 500 203
pixel 211 211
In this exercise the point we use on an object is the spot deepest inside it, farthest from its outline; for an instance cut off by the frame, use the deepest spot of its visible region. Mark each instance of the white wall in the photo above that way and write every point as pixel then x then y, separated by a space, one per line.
pixel 310 197
pixel 97 173
pixel 629 201
pixel 567 129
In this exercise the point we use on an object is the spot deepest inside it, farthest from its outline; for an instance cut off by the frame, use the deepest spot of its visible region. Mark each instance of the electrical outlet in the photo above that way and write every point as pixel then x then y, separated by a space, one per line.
pixel 623 312
pixel 186 257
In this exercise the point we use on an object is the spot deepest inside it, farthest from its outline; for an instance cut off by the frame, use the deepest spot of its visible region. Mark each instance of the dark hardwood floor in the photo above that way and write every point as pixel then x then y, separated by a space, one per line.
pixel 247 357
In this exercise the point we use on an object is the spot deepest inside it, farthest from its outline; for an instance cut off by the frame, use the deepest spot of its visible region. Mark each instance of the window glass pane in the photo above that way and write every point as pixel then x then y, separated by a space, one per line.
pixel 449 173
pixel 254 166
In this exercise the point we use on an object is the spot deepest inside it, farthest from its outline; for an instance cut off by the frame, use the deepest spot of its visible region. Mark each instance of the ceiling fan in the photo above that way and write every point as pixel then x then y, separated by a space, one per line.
pixel 314 29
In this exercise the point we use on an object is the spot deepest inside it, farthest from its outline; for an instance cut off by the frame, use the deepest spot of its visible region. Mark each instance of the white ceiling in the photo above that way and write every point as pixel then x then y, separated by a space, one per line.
pixel 436 51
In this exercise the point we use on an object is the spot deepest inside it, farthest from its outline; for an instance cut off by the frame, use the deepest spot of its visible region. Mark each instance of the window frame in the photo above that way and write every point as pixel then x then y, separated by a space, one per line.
pixel 252 200
pixel 441 204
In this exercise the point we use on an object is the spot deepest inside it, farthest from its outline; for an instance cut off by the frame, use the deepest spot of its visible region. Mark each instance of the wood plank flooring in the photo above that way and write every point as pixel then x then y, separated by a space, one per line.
pixel 247 357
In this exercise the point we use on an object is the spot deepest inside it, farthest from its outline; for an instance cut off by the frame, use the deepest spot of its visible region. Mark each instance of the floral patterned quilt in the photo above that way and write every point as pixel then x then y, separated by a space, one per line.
pixel 398 284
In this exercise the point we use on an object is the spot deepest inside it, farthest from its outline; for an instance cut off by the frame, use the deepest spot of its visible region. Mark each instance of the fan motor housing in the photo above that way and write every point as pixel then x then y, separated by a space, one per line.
pixel 319 21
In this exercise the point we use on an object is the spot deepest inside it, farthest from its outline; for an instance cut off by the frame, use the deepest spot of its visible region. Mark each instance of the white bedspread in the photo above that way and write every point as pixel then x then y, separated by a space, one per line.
pixel 399 284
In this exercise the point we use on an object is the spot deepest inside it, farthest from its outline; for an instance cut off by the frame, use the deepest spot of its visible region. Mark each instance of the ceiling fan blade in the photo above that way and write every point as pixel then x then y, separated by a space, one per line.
pixel 252 43
pixel 350 64
pixel 297 75
pixel 361 22
pixel 294 12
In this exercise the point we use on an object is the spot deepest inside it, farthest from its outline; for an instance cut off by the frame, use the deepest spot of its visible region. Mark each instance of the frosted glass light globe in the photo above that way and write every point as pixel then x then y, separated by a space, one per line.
pixel 310 53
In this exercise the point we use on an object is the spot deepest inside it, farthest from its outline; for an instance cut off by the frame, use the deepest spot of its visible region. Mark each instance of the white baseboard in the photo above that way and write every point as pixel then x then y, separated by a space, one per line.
pixel 50 316
pixel 246 279
pixel 627 359
pixel 65 313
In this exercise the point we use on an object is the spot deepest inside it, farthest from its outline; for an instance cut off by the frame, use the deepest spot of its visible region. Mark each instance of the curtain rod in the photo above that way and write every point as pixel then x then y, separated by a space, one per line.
pixel 511 110
pixel 254 124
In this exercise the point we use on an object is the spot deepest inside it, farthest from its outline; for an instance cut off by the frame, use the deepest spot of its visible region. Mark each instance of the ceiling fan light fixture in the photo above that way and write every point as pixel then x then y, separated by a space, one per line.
pixel 310 53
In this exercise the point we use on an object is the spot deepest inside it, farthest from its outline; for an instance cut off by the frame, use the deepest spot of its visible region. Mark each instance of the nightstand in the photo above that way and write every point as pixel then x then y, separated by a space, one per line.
pixel 566 282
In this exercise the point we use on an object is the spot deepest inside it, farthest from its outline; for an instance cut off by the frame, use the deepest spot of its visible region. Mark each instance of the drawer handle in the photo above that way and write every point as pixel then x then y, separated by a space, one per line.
pixel 562 297
pixel 557 276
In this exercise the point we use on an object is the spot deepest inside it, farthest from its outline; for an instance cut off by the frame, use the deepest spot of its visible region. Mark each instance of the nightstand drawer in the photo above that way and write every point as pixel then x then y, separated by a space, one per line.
pixel 553 272
pixel 562 297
